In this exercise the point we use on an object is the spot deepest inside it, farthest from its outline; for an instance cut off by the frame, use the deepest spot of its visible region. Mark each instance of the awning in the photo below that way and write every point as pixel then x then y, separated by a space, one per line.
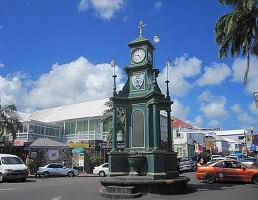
pixel 78 150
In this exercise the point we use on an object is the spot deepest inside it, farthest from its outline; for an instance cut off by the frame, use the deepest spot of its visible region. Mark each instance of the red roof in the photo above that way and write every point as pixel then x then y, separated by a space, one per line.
pixel 179 123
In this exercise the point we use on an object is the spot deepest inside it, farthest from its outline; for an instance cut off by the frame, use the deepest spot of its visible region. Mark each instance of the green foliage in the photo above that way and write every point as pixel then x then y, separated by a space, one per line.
pixel 8 121
pixel 96 159
pixel 237 32
pixel 29 162
pixel 120 121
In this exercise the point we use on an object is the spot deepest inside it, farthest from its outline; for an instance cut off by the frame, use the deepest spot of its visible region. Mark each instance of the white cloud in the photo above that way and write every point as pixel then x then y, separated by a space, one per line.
pixel 213 106
pixel 236 108
pixel 157 5
pixel 183 69
pixel 74 82
pixel 243 117
pixel 180 111
pixel 214 75
pixel 12 90
pixel 214 123
pixel 198 121
pixel 83 5
pixel 1 65
pixel 239 67
pixel 105 9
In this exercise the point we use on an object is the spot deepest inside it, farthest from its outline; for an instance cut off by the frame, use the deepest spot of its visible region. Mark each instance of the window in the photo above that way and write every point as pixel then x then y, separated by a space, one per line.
pixel 220 164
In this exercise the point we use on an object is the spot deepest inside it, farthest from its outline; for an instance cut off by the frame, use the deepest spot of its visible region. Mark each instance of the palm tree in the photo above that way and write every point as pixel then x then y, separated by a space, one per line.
pixel 7 121
pixel 237 32
pixel 108 114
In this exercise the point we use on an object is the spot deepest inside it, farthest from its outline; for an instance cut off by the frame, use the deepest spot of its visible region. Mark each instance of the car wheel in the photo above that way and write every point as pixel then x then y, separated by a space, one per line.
pixel 101 174
pixel 70 174
pixel 1 177
pixel 209 178
pixel 46 174
pixel 255 179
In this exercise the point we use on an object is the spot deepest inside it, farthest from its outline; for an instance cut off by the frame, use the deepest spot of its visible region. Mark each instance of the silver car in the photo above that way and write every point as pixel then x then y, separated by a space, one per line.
pixel 56 169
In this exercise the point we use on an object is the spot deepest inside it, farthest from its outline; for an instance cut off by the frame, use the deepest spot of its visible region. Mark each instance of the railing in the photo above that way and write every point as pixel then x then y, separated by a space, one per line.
pixel 89 136
pixel 82 136
pixel 30 137
pixel 78 137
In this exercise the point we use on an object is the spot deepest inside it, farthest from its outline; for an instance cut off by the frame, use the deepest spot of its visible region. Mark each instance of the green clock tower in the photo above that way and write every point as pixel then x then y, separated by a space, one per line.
pixel 142 101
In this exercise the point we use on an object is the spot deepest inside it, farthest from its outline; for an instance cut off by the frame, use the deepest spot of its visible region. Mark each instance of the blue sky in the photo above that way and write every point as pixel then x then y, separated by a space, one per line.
pixel 55 53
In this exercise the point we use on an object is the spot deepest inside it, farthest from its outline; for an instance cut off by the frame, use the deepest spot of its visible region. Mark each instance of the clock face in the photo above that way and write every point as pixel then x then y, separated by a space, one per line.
pixel 138 55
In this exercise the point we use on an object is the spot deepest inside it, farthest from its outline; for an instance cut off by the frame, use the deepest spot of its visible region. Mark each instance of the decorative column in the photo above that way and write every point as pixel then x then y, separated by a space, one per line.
pixel 155 131
pixel 127 127
pixel 114 132
pixel 169 130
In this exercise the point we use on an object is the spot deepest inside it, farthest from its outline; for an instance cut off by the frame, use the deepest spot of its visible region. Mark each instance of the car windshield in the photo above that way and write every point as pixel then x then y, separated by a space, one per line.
pixel 11 160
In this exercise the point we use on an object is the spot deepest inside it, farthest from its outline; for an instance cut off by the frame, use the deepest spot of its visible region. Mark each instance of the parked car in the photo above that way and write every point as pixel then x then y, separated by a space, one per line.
pixel 227 170
pixel 213 160
pixel 101 170
pixel 56 169
pixel 187 164
pixel 250 162
pixel 12 167
pixel 233 157
pixel 215 156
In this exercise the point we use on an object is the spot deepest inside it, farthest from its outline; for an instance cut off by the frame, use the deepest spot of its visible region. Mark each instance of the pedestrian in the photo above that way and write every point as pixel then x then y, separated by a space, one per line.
pixel 64 162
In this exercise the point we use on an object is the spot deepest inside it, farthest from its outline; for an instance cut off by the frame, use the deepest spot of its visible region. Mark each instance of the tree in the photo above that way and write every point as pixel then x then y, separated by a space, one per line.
pixel 108 115
pixel 237 32
pixel 7 121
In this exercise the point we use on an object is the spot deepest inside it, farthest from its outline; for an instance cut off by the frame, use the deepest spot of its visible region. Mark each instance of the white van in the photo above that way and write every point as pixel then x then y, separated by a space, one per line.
pixel 12 167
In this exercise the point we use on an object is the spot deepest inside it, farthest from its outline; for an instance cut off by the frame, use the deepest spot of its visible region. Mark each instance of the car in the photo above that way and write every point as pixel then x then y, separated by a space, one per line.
pixel 213 160
pixel 227 170
pixel 56 169
pixel 233 157
pixel 12 167
pixel 187 164
pixel 101 170
pixel 250 162
pixel 215 156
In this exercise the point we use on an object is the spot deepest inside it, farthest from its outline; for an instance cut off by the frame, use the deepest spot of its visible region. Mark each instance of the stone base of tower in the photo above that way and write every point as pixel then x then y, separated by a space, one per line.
pixel 133 174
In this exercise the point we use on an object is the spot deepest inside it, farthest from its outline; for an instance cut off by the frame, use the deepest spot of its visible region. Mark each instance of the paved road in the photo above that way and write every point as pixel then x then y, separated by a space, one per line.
pixel 83 188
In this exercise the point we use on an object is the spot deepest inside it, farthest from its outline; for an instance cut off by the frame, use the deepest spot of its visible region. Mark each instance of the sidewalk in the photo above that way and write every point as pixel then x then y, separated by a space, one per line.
pixel 81 174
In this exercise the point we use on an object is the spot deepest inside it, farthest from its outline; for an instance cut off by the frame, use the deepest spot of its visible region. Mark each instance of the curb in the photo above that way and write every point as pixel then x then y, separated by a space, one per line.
pixel 79 175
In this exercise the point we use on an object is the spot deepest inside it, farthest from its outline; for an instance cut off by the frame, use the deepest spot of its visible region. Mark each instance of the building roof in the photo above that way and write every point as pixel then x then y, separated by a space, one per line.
pixel 232 141
pixel 88 109
pixel 231 132
pixel 47 143
pixel 179 123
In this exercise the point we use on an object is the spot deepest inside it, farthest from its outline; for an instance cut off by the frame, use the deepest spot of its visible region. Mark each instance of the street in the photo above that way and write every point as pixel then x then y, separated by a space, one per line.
pixel 81 188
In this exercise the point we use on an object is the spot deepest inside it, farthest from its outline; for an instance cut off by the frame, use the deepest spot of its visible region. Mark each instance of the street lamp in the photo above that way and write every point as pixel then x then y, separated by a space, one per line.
pixel 256 98
pixel 156 39
pixel 167 81
pixel 252 133
pixel 113 64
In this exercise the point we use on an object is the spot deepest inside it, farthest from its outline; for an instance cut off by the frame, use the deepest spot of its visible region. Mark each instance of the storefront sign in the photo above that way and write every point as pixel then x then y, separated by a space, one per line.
pixel 18 143
pixel 105 146
pixel 81 159
pixel 79 145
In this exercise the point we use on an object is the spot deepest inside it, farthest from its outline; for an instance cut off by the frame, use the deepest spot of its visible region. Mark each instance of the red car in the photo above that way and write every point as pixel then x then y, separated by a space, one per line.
pixel 227 170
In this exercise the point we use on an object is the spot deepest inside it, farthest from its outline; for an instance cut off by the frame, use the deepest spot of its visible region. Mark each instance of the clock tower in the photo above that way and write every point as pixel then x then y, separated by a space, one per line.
pixel 142 101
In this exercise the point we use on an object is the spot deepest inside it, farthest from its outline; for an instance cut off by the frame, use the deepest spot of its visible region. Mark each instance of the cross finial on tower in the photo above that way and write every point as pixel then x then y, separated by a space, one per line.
pixel 141 26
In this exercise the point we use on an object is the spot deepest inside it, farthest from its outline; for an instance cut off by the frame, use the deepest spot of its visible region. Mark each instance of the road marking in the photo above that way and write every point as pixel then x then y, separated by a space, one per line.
pixel 57 198
pixel 8 189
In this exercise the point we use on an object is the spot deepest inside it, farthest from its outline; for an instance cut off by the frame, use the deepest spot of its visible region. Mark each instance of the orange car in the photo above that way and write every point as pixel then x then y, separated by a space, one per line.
pixel 227 170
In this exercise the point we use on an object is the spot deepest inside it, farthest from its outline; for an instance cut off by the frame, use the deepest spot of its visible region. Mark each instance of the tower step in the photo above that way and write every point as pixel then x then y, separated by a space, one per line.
pixel 120 192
